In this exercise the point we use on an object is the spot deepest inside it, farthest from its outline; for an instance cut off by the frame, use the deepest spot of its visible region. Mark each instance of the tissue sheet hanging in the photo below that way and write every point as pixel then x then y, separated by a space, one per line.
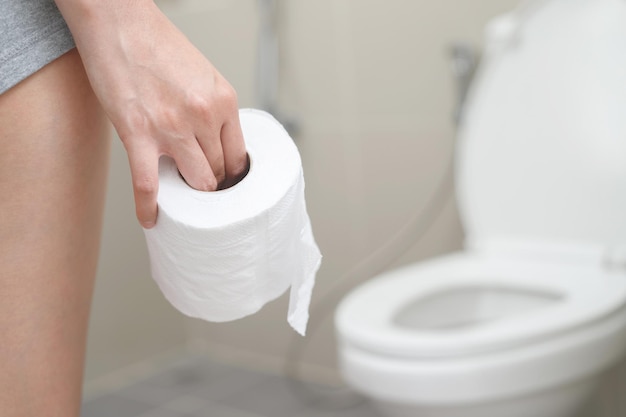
pixel 222 255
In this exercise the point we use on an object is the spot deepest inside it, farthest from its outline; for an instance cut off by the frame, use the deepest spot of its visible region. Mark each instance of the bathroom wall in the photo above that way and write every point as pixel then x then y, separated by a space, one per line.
pixel 369 85
pixel 370 88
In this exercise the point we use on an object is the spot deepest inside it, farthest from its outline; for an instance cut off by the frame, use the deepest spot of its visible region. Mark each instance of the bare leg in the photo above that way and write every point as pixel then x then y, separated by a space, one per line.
pixel 54 150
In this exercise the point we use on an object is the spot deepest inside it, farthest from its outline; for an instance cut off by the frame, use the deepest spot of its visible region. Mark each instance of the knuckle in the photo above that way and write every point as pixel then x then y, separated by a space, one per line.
pixel 186 143
pixel 223 97
pixel 168 118
pixel 228 96
pixel 133 125
pixel 177 143
pixel 199 104
pixel 144 186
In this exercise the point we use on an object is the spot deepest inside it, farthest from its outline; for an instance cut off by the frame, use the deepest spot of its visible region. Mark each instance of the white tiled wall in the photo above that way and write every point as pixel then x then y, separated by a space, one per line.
pixel 369 84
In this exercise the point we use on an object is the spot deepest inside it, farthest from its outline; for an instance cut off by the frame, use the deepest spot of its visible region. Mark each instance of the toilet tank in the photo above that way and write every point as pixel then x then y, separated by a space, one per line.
pixel 542 143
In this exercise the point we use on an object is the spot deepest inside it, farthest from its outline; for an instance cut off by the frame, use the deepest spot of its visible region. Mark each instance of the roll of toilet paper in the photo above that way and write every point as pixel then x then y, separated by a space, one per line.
pixel 222 255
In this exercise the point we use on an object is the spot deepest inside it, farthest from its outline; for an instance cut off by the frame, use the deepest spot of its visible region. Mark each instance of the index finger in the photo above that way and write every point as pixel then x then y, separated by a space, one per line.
pixel 144 168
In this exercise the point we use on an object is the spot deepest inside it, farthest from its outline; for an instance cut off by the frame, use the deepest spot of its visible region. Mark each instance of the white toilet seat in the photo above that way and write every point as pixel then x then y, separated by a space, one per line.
pixel 579 336
pixel 586 293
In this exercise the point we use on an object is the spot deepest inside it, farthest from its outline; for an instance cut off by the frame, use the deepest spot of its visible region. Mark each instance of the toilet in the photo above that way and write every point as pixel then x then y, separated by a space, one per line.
pixel 526 319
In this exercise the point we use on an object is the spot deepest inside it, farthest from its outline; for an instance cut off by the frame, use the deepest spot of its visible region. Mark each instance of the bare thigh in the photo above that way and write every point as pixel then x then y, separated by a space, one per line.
pixel 54 150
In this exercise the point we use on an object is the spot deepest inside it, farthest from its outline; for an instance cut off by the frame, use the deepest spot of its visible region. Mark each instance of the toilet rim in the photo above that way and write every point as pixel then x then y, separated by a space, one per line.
pixel 510 373
pixel 587 292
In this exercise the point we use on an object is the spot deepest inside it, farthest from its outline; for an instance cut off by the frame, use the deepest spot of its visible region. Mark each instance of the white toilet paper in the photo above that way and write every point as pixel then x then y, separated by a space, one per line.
pixel 222 255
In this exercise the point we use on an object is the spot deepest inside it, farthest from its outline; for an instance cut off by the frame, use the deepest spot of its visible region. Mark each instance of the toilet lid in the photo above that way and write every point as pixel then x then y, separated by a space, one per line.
pixel 566 297
pixel 542 154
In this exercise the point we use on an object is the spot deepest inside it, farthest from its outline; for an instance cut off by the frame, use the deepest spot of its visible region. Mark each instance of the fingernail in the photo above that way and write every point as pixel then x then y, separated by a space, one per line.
pixel 147 225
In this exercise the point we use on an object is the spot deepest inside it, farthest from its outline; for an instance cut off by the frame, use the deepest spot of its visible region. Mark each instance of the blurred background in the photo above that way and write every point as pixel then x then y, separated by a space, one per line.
pixel 367 88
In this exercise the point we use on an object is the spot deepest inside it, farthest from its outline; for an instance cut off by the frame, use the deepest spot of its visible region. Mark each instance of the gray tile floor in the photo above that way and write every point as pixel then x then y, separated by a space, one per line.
pixel 196 387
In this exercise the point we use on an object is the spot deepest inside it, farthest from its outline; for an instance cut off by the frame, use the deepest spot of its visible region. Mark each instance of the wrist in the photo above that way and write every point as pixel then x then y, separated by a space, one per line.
pixel 78 13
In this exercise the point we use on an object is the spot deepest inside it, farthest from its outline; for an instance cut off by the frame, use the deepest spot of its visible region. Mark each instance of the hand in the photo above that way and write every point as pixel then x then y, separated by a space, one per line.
pixel 161 94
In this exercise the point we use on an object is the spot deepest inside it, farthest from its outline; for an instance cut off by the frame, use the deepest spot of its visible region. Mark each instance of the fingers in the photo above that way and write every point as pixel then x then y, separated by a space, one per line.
pixel 236 162
pixel 210 156
pixel 210 147
pixel 144 168
pixel 193 165
pixel 216 160
pixel 218 157
pixel 219 134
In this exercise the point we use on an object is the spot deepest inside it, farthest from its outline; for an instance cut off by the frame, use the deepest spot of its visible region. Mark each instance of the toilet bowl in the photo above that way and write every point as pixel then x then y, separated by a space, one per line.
pixel 471 334
pixel 526 319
